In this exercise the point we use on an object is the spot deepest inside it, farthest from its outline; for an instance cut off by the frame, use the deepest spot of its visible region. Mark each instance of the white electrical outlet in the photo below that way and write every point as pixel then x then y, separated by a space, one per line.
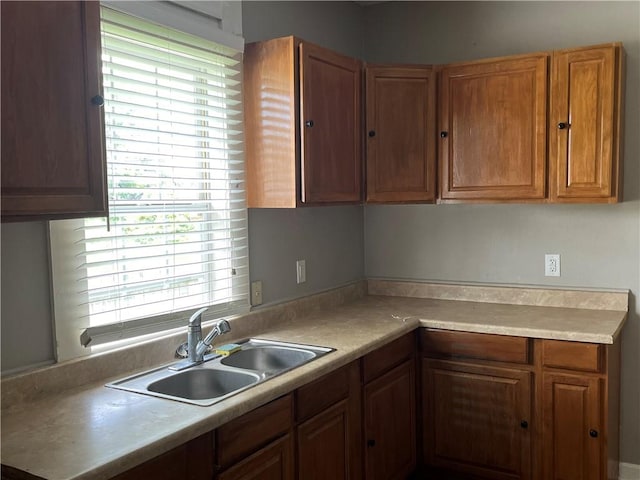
pixel 301 271
pixel 552 265
pixel 256 292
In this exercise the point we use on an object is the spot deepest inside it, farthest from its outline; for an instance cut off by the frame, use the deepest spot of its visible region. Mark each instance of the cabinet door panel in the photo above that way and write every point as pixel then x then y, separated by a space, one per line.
pixel 52 135
pixel 493 124
pixel 273 462
pixel 583 130
pixel 390 424
pixel 474 420
pixel 330 126
pixel 570 412
pixel 323 445
pixel 401 108
pixel 191 461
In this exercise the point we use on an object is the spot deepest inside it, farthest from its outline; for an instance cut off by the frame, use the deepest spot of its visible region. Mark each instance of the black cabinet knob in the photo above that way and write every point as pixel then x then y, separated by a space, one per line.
pixel 443 134
pixel 98 101
pixel 524 424
pixel 593 433
pixel 562 125
pixel 372 133
pixel 371 443
pixel 309 123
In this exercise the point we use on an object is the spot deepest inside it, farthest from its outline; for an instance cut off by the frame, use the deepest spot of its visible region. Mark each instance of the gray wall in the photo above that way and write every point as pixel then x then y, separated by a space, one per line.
pixel 599 245
pixel 26 328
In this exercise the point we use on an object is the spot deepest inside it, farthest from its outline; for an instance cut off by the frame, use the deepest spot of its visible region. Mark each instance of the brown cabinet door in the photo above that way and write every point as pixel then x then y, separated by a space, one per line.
pixel 477 419
pixel 493 118
pixel 584 126
pixel 273 462
pixel 571 427
pixel 324 445
pixel 52 133
pixel 390 424
pixel 401 153
pixel 330 86
pixel 191 461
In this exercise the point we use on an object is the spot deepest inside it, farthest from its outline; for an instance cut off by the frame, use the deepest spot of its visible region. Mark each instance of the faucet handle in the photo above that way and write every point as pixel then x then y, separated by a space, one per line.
pixel 196 318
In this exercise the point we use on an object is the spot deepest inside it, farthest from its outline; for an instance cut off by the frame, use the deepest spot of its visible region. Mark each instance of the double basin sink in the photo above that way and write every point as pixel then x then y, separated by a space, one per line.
pixel 220 377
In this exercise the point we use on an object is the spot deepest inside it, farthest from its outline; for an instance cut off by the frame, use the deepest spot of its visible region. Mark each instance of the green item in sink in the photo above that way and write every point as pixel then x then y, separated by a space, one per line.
pixel 228 349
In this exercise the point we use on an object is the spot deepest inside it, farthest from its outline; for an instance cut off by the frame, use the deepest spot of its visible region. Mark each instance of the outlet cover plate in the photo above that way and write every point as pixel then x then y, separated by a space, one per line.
pixel 552 265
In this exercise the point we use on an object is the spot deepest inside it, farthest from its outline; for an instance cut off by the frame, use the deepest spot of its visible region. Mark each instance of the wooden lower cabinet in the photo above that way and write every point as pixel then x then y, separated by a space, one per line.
pixel 580 388
pixel 477 418
pixel 190 461
pixel 513 408
pixel 329 426
pixel 572 425
pixel 323 445
pixel 491 407
pixel 273 462
pixel 390 424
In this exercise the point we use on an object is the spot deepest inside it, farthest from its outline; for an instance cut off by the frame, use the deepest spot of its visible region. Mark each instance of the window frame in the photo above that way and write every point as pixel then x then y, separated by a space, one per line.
pixel 71 320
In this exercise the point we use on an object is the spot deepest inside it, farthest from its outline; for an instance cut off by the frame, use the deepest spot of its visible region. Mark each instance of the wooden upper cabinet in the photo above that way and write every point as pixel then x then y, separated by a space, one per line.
pixel 53 162
pixel 584 130
pixel 303 122
pixel 400 124
pixel 493 124
pixel 330 126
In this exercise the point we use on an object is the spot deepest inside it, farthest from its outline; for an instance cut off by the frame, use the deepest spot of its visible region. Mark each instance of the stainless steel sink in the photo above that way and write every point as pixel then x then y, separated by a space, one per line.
pixel 200 384
pixel 221 377
pixel 268 358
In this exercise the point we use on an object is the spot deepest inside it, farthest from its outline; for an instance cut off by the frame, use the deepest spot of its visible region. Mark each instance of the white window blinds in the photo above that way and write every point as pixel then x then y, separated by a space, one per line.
pixel 176 238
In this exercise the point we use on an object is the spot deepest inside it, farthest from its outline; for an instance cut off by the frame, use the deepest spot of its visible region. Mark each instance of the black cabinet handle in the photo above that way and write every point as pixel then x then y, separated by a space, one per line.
pixel 371 443
pixel 98 101
pixel 309 123
pixel 562 125
pixel 372 133
pixel 593 433
pixel 524 424
pixel 443 134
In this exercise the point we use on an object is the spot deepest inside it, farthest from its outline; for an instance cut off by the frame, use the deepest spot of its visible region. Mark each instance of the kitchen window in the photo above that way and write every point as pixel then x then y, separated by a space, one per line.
pixel 176 236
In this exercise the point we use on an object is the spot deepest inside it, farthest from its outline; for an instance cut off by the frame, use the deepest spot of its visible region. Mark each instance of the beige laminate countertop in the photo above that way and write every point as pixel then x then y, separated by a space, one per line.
pixel 93 432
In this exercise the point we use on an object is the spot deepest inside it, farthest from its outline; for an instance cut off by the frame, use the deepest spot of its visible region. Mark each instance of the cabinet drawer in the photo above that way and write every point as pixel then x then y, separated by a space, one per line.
pixel 572 355
pixel 481 346
pixel 383 359
pixel 322 393
pixel 251 431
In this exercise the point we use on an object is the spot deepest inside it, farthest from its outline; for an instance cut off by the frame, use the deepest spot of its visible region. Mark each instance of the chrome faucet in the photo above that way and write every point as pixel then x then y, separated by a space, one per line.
pixel 196 346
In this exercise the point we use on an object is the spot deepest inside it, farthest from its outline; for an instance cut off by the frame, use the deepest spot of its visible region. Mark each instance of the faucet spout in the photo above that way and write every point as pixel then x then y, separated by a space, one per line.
pixel 194 335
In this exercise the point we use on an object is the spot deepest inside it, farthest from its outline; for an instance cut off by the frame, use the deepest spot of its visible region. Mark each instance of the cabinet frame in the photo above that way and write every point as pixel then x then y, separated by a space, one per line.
pixel 279 164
